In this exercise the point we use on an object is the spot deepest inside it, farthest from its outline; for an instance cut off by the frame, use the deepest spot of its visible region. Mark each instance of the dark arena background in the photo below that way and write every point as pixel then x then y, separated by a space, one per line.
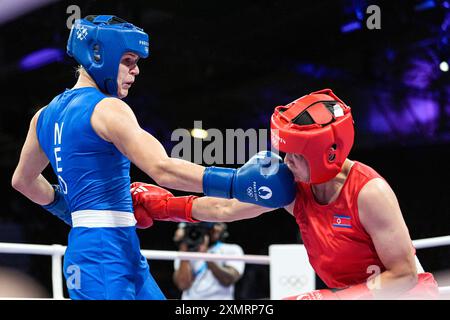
pixel 228 64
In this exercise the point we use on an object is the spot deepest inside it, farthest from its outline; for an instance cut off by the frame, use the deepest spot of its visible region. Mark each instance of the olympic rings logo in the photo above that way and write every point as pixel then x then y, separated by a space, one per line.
pixel 250 192
pixel 293 281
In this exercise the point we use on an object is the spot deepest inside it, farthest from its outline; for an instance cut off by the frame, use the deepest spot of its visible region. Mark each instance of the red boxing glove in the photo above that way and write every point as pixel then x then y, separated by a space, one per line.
pixel 425 289
pixel 358 292
pixel 324 294
pixel 151 202
pixel 143 219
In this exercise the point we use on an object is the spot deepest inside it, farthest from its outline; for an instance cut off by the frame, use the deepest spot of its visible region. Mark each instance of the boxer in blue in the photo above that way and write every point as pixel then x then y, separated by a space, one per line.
pixel 89 136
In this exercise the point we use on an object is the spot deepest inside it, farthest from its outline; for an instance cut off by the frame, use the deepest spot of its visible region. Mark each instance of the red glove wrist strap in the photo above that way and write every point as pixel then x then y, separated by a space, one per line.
pixel 179 209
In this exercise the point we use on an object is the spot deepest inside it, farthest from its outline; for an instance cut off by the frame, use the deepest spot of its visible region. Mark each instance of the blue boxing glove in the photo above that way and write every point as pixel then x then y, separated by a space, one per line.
pixel 264 180
pixel 58 206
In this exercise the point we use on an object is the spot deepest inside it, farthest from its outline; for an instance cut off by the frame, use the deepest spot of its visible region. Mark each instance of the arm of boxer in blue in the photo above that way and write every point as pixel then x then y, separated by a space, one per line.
pixel 259 181
pixel 58 207
pixel 264 180
pixel 28 180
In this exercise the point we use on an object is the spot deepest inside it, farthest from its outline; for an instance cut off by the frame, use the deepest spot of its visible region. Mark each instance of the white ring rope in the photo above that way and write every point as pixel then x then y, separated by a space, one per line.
pixel 171 255
pixel 432 242
pixel 57 251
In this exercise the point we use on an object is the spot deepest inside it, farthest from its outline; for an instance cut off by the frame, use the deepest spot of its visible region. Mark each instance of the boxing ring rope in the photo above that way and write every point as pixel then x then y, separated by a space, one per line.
pixel 56 251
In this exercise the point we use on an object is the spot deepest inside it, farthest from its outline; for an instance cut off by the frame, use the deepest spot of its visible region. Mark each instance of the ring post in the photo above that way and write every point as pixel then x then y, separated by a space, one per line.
pixel 57 281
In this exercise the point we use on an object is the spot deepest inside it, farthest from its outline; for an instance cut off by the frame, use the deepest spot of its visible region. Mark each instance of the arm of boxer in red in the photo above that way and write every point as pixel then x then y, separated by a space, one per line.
pixel 222 210
pixel 151 202
pixel 27 177
pixel 114 121
pixel 380 215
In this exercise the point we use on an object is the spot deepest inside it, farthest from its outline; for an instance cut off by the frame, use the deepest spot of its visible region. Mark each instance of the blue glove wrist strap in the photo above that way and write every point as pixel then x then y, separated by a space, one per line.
pixel 58 206
pixel 217 182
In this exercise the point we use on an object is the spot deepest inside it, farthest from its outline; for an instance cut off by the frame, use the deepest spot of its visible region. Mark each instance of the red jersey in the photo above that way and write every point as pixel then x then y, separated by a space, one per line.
pixel 340 250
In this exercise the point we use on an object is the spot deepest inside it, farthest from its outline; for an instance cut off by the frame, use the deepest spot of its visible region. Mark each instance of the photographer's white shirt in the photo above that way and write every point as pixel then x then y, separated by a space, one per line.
pixel 205 285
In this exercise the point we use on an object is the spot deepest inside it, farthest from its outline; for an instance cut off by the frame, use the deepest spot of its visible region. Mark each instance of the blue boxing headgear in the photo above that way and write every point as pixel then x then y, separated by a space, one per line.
pixel 98 44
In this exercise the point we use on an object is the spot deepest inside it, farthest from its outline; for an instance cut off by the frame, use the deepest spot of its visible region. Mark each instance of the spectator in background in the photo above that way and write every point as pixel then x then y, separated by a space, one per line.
pixel 206 280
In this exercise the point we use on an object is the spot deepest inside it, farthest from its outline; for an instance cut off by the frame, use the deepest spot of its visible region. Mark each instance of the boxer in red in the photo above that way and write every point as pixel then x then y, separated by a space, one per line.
pixel 349 218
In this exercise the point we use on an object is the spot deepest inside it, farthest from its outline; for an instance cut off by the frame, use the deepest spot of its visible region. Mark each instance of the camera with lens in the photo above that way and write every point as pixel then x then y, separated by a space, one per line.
pixel 194 234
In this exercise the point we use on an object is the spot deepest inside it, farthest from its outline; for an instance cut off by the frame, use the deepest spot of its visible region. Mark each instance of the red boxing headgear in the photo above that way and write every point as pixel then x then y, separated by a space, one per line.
pixel 319 126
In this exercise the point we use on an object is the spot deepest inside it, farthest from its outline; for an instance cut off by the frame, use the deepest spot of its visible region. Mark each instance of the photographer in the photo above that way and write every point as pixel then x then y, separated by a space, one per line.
pixel 206 280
